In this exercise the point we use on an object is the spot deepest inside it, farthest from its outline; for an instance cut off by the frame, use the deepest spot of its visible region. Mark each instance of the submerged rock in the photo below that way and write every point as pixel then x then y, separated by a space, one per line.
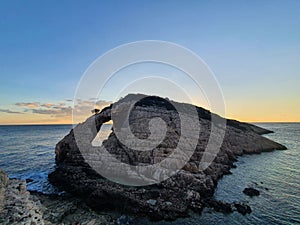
pixel 225 207
pixel 124 220
pixel 251 192
pixel 28 180
pixel 242 208
pixel 219 206
pixel 173 197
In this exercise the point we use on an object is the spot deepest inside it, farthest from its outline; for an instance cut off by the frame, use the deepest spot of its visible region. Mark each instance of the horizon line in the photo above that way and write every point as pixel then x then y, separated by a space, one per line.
pixel 49 124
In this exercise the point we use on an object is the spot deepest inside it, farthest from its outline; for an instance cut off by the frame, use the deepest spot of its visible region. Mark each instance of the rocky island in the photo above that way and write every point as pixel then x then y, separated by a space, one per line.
pixel 188 189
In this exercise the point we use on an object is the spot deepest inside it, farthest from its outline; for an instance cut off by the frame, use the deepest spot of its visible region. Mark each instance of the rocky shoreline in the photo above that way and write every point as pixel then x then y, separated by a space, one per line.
pixel 189 189
pixel 19 206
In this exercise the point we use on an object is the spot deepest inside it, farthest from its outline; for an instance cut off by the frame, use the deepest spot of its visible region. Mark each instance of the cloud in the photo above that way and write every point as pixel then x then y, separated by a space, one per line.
pixel 102 103
pixel 47 105
pixel 63 109
pixel 10 111
pixel 85 106
pixel 54 112
pixel 31 105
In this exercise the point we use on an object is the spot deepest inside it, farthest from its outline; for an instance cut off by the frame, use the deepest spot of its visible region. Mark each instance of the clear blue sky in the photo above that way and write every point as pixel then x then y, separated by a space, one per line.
pixel 253 47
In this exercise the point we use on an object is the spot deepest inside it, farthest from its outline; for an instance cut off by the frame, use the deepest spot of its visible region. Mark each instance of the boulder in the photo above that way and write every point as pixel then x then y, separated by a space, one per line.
pixel 251 192
pixel 219 206
pixel 242 208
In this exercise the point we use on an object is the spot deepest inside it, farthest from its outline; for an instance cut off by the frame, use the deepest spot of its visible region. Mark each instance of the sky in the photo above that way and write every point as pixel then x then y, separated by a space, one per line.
pixel 253 48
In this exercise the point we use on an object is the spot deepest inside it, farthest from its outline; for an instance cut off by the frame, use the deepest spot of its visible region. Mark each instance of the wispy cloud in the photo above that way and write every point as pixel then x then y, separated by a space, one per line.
pixel 87 105
pixel 31 105
pixel 10 111
pixel 54 112
pixel 59 110
pixel 63 109
pixel 47 105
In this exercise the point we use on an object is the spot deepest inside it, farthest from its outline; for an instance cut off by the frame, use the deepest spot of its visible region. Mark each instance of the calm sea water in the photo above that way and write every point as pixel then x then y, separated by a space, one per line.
pixel 28 152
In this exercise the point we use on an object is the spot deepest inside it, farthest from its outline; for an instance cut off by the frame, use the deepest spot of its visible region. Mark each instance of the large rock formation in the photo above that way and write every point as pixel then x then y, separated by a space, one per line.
pixel 189 188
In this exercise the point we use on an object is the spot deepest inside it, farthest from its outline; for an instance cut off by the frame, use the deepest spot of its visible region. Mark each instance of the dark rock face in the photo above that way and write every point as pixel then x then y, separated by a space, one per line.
pixel 173 197
pixel 251 192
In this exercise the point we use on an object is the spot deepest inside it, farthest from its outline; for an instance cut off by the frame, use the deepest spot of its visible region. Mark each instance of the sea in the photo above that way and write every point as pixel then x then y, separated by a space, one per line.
pixel 27 152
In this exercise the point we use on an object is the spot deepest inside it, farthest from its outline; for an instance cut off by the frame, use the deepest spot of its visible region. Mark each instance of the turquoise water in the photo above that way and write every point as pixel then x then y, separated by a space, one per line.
pixel 28 152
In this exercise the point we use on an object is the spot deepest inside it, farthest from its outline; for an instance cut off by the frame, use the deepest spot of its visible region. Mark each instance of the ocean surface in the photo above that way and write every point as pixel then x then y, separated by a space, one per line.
pixel 27 152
